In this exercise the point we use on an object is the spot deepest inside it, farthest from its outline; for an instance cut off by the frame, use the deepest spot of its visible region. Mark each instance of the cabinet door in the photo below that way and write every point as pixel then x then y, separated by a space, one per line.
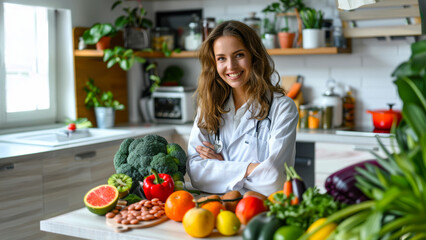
pixel 21 199
pixel 331 157
pixel 65 178
pixel 68 176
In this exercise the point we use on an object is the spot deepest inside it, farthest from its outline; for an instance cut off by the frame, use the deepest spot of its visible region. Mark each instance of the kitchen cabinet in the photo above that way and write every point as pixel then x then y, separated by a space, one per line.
pixel 21 198
pixel 68 175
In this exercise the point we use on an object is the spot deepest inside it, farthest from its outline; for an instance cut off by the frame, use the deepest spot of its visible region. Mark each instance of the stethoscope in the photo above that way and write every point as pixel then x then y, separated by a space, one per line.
pixel 218 144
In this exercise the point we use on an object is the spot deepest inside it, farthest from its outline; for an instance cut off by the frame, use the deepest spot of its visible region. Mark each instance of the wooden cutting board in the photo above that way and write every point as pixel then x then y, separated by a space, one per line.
pixel 118 227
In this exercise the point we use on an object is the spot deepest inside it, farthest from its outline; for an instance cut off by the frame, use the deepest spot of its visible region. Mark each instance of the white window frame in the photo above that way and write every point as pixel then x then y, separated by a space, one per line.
pixel 36 117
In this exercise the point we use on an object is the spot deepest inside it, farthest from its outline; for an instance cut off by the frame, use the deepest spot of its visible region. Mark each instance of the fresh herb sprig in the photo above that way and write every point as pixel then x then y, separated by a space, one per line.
pixel 315 205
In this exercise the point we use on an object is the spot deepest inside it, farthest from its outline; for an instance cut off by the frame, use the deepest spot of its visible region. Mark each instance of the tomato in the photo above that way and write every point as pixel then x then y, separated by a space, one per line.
pixel 72 126
pixel 198 222
pixel 288 233
pixel 324 232
pixel 227 223
pixel 249 207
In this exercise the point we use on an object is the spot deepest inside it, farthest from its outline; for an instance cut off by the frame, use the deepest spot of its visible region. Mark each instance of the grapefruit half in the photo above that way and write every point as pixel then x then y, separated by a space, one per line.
pixel 101 199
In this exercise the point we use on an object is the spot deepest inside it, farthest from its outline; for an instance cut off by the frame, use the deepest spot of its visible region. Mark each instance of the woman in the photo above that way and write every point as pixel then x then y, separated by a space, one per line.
pixel 245 128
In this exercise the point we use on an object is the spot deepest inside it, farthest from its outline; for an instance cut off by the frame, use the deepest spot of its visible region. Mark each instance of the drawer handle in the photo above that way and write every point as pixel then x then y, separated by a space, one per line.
pixel 367 149
pixel 303 161
pixel 7 166
pixel 82 156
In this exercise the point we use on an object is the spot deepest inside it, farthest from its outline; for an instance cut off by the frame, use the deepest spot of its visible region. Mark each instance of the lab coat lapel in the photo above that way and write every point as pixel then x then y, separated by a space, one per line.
pixel 246 125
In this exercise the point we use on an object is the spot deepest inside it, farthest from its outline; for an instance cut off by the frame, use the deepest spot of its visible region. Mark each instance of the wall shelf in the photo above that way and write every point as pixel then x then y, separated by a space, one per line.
pixel 194 54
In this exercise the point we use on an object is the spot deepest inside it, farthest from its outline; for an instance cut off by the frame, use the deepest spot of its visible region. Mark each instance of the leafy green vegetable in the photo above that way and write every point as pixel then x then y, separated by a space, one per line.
pixel 132 198
pixel 315 205
pixel 398 192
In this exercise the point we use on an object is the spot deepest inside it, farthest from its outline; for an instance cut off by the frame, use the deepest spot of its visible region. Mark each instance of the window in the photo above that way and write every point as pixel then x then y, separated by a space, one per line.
pixel 27 64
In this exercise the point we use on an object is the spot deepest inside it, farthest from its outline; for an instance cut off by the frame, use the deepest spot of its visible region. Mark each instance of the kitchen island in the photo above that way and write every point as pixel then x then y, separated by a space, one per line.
pixel 83 224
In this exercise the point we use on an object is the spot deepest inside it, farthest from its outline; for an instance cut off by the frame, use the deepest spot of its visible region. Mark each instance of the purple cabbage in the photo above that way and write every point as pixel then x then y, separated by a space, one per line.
pixel 341 184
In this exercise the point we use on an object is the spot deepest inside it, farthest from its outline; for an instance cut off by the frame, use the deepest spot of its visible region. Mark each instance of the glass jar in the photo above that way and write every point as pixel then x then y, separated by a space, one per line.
pixel 193 38
pixel 338 38
pixel 160 35
pixel 208 25
pixel 303 116
pixel 314 119
pixel 253 22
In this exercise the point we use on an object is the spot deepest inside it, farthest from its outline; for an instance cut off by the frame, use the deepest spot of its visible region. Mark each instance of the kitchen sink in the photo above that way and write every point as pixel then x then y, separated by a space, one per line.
pixel 61 136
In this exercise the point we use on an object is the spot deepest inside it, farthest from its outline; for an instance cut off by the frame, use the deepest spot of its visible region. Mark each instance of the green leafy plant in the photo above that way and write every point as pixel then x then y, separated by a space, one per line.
pixel 397 209
pixel 311 18
pixel 134 17
pixel 283 6
pixel 124 57
pixel 95 98
pixel 97 31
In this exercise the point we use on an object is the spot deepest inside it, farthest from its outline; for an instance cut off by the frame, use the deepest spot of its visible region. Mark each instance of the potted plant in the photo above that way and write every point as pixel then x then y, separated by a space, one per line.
pixel 103 103
pixel 100 34
pixel 313 35
pixel 282 8
pixel 135 25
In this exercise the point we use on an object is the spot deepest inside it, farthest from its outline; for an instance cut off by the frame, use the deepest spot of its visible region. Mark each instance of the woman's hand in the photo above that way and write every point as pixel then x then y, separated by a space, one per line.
pixel 250 168
pixel 207 152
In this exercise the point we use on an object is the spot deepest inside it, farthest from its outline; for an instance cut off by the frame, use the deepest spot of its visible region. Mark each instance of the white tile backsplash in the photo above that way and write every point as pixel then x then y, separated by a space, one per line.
pixel 367 69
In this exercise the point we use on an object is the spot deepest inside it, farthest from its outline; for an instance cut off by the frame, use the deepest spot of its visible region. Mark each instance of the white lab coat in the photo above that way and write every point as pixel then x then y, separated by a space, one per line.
pixel 274 146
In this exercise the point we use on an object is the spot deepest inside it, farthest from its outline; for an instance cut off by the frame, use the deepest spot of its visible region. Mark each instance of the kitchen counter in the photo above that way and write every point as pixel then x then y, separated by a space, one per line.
pixel 83 224
pixel 11 150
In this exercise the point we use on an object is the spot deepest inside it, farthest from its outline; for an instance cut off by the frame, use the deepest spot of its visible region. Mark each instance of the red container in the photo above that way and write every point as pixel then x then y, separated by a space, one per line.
pixel 383 119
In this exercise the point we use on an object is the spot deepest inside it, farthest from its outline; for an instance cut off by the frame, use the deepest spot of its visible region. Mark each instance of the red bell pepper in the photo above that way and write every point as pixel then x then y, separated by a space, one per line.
pixel 158 186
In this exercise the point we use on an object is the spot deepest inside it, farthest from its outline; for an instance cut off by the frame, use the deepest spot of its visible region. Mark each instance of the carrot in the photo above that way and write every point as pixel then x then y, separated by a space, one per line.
pixel 294 90
pixel 287 189
pixel 294 200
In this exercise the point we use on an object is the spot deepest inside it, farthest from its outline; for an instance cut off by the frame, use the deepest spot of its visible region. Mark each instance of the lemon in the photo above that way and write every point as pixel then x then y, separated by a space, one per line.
pixel 198 222
pixel 227 223
pixel 324 232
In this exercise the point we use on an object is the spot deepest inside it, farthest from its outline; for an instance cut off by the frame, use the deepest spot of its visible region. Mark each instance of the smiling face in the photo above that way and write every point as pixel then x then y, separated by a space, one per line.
pixel 233 61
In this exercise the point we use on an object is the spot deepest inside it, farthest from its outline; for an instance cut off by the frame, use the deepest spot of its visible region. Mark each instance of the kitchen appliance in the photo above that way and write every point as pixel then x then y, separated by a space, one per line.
pixel 173 104
pixel 383 119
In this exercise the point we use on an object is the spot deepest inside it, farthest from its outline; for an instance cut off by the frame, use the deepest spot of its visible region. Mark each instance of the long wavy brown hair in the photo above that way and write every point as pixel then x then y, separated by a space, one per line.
pixel 212 92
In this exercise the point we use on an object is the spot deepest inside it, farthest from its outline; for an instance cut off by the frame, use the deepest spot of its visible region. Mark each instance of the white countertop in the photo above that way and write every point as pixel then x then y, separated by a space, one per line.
pixel 84 224
pixel 10 150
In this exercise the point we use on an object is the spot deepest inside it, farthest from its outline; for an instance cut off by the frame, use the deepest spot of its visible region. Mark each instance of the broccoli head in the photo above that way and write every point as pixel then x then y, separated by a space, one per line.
pixel 144 165
pixel 164 163
pixel 153 138
pixel 151 148
pixel 124 146
pixel 176 151
pixel 130 171
pixel 133 145
pixel 177 176
pixel 119 159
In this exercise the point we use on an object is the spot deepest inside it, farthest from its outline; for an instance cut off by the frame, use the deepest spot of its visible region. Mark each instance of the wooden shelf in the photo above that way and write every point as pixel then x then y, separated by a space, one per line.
pixel 194 54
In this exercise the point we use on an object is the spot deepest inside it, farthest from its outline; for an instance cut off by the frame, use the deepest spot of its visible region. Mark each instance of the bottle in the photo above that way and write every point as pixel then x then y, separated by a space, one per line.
pixel 194 37
pixel 348 108
pixel 81 44
pixel 208 25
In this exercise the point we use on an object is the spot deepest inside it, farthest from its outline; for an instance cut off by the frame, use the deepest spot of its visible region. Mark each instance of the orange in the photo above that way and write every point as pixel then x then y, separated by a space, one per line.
pixel 214 207
pixel 177 204
pixel 198 222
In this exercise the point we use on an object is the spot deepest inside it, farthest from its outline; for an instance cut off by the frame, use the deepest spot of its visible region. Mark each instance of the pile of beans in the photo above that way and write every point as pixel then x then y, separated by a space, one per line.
pixel 144 210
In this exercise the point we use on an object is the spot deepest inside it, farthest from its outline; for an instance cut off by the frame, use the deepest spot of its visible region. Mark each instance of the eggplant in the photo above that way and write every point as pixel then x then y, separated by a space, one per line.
pixel 341 184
